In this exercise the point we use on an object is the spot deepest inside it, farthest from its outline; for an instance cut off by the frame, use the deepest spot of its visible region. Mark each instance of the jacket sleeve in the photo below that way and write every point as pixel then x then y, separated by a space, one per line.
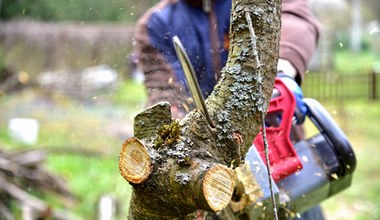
pixel 157 59
pixel 299 35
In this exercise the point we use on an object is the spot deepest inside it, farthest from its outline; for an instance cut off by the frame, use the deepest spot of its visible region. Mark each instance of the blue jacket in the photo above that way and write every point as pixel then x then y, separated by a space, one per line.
pixel 155 49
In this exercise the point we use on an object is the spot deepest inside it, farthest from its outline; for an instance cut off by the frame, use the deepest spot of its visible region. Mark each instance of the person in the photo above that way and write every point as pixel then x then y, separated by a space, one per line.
pixel 203 28
pixel 191 22
pixel 164 77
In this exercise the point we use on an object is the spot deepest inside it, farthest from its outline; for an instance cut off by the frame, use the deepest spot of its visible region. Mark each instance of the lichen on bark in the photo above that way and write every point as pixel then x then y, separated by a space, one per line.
pixel 236 102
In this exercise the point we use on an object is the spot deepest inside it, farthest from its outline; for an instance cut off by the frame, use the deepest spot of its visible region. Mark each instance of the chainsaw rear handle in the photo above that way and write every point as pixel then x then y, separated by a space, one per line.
pixel 332 132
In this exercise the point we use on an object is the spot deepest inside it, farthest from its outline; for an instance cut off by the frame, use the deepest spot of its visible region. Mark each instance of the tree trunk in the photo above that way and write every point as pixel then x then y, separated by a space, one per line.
pixel 175 167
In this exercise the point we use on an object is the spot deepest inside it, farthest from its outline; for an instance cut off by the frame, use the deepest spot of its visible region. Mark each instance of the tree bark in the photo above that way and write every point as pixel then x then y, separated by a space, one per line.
pixel 178 167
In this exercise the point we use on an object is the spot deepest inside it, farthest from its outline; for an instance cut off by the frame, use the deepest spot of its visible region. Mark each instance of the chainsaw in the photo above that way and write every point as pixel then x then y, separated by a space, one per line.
pixel 305 172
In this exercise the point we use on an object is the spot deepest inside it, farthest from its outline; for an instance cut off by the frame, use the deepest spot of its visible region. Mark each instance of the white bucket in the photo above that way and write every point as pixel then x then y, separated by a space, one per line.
pixel 24 130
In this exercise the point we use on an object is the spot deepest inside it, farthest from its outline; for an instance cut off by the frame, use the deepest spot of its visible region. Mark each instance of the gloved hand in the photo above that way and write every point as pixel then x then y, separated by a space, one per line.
pixel 301 108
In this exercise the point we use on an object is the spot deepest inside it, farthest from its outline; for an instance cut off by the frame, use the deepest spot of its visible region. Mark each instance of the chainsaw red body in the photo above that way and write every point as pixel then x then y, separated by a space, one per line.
pixel 278 123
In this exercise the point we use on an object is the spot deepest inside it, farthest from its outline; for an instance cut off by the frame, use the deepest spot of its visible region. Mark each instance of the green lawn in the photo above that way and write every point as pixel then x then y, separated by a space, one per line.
pixel 83 141
pixel 347 62
pixel 89 178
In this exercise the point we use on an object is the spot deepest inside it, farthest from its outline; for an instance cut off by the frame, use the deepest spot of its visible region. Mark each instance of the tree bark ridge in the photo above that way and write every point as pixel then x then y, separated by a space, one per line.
pixel 236 102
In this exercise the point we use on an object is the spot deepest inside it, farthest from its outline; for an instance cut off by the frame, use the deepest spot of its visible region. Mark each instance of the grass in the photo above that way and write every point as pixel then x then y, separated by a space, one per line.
pixel 347 62
pixel 89 178
pixel 131 93
pixel 83 141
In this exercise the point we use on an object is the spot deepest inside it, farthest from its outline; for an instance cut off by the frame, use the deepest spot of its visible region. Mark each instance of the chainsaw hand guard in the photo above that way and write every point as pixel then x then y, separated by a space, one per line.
pixel 278 122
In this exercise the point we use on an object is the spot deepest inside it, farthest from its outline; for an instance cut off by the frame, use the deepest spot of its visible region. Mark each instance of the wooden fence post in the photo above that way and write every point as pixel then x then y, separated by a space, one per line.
pixel 373 86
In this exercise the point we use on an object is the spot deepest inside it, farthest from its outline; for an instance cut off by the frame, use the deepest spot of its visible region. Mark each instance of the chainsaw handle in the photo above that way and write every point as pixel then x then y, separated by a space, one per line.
pixel 333 133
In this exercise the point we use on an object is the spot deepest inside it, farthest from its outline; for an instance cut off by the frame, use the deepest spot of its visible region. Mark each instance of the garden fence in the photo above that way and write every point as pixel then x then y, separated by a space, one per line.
pixel 342 87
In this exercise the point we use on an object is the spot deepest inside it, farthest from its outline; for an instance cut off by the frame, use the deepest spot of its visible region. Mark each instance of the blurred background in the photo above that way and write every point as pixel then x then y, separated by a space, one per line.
pixel 69 90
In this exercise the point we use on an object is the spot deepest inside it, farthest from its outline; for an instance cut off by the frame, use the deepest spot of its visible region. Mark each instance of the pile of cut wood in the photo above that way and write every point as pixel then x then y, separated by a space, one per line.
pixel 22 176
